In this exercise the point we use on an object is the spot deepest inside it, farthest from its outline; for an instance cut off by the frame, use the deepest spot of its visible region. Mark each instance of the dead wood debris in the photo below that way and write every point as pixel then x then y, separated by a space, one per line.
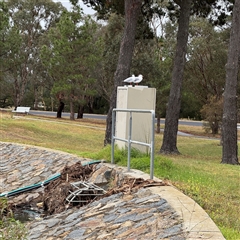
pixel 56 192
pixel 130 185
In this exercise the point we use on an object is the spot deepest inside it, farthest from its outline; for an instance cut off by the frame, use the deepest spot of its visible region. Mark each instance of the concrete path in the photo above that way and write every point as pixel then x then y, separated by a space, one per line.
pixel 161 212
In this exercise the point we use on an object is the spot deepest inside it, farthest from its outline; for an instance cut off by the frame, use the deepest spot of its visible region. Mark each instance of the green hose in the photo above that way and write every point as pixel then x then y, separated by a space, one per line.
pixel 40 184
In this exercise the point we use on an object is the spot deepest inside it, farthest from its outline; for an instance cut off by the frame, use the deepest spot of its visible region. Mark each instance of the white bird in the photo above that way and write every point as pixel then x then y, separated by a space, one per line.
pixel 138 79
pixel 130 79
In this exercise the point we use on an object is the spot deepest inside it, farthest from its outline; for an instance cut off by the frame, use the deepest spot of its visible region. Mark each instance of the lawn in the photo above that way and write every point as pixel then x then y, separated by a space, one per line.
pixel 197 171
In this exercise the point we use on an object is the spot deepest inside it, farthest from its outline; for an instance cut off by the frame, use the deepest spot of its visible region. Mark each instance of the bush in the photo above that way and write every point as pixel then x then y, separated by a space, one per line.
pixel 212 114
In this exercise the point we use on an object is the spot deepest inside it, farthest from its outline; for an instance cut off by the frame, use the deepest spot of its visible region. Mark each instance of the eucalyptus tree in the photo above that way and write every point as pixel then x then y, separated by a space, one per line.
pixel 207 55
pixel 229 122
pixel 205 71
pixel 4 24
pixel 111 33
pixel 71 57
pixel 29 19
pixel 180 10
pixel 169 144
pixel 3 15
pixel 147 58
pixel 152 61
pixel 9 46
pixel 132 9
pixel 184 8
pixel 165 48
pixel 133 12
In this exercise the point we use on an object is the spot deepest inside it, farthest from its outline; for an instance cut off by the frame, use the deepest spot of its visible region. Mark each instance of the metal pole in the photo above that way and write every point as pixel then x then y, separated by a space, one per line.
pixel 129 141
pixel 152 146
pixel 113 135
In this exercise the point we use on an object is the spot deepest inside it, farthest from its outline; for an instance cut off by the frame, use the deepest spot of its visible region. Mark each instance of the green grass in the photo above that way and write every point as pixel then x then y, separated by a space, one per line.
pixel 197 171
pixel 10 229
pixel 213 185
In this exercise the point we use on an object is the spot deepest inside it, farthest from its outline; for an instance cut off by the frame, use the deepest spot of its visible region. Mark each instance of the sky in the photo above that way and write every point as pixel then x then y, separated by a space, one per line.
pixel 67 4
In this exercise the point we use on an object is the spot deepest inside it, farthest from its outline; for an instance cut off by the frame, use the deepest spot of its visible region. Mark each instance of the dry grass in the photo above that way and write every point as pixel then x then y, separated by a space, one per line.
pixel 62 134
pixel 197 171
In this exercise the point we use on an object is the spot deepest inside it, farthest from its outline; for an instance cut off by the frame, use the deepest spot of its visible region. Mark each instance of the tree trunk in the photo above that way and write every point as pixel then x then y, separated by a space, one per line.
pixel 80 111
pixel 71 110
pixel 132 11
pixel 169 145
pixel 158 123
pixel 17 94
pixel 20 83
pixel 60 109
pixel 229 123
pixel 90 105
pixel 36 97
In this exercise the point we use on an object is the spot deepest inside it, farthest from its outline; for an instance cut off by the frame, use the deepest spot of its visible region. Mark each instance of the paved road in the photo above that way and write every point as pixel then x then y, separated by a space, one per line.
pixel 103 117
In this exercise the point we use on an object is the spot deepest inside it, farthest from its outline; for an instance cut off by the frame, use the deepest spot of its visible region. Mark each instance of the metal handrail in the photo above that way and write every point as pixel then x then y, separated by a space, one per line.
pixel 129 140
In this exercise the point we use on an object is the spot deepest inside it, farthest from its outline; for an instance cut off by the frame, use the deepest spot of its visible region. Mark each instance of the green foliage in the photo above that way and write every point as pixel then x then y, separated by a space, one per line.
pixel 135 153
pixel 205 68
pixel 22 68
pixel 138 159
pixel 10 229
pixel 105 8
pixel 74 46
pixel 4 16
pixel 111 35
pixel 229 233
pixel 165 164
pixel 10 40
pixel 207 55
pixel 162 60
pixel 190 106
pixel 204 9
